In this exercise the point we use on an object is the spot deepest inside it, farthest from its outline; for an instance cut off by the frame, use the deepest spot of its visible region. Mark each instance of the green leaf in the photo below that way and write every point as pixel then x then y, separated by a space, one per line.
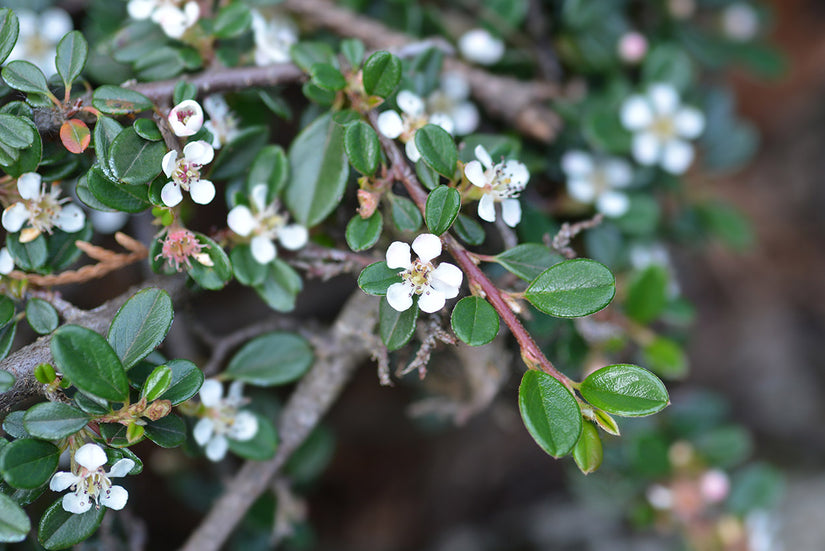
pixel 14 522
pixel 262 446
pixel 123 197
pixel 60 529
pixel 114 100
pixel 382 73
pixel 647 295
pixel 588 451
pixel 755 487
pixel 28 256
pixel 106 130
pixel 213 277
pixel 9 30
pixel 6 309
pixel 235 158
pixel 428 177
pixel 167 432
pixel 271 167
pixel 26 77
pixel 318 170
pixel 306 54
pixel 666 358
pixel 248 271
pixel 353 50
pixel 148 130
pixel 28 463
pixel 186 381
pixel 603 129
pixel 90 363
pixel 13 425
pixel 362 147
pixel 528 260
pixel 281 286
pixel 549 412
pixel 573 288
pixel 6 380
pixel 156 383
pixel 327 77
pixel 396 328
pixel 72 51
pixel 437 148
pixel 232 20
pixel 183 91
pixel 376 278
pixel 54 420
pixel 140 325
pixel 161 63
pixel 41 315
pixel 625 390
pixel 475 321
pixel 405 215
pixel 29 158
pixel 668 63
pixel 443 204
pixel 14 131
pixel 7 339
pixel 134 160
pixel 362 234
pixel 272 359
pixel 115 435
pixel 468 230
pixel 62 249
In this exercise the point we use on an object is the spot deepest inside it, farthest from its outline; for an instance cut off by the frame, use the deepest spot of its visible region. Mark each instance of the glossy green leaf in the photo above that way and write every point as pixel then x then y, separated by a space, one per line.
pixel 26 77
pixel 573 288
pixel 9 30
pixel 72 51
pixel 7 339
pixel 14 131
pixel 13 425
pixel 262 446
pixel 60 529
pixel 269 167
pixel 474 321
pixel 167 432
pixel 362 147
pixel 647 295
pixel 54 420
pixel 280 287
pixel 437 148
pixel 140 325
pixel 353 50
pixel 666 358
pixel 28 256
pixel 6 380
pixel 6 310
pixel 528 260
pixel 405 215
pixel 588 451
pixel 443 204
pixel 28 463
pixel 272 359
pixel 41 315
pixel 160 63
pixel 549 412
pixel 134 160
pixel 147 129
pixel 114 100
pixel 376 278
pixel 382 73
pixel 468 230
pixel 625 390
pixel 327 77
pixel 29 157
pixel 156 383
pixel 362 234
pixel 105 131
pixel 186 381
pixel 232 20
pixel 123 197
pixel 14 522
pixel 90 363
pixel 248 271
pixel 235 158
pixel 318 95
pixel 213 277
pixel 396 328
pixel 318 170
pixel 183 91
pixel 306 54
pixel 428 177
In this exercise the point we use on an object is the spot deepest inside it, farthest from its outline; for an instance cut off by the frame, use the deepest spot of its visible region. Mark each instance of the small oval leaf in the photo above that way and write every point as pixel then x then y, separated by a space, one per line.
pixel 140 325
pixel 376 278
pixel 272 359
pixel 362 147
pixel 572 289
pixel 549 412
pixel 625 390
pixel 90 363
pixel 443 204
pixel 382 73
pixel 54 420
pixel 475 321
pixel 437 148
pixel 396 328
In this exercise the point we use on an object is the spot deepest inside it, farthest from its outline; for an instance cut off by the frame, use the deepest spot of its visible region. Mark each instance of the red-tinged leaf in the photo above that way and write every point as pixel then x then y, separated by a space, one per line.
pixel 75 135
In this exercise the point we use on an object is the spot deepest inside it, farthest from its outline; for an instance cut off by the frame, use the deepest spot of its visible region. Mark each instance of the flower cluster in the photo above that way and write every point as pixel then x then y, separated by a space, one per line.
pixel 173 18
pixel 498 183
pixel 223 419
pixel 596 180
pixel 90 484
pixel 185 173
pixel 42 209
pixel 451 99
pixel 433 284
pixel 412 117
pixel 273 38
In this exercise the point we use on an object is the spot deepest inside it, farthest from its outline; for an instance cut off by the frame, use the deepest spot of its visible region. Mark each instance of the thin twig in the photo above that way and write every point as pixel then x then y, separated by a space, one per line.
pixel 561 241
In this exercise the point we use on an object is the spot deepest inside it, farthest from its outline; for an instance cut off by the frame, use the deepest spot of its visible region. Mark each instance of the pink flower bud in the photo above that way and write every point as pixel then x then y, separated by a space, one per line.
pixel 632 47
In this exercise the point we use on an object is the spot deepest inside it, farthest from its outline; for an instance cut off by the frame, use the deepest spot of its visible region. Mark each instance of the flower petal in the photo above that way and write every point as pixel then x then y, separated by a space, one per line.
pixel 216 448
pixel 6 261
pixel 199 152
pixel 444 121
pixel 483 157
pixel 618 172
pixel 141 9
pixel 186 118
pixel 399 296
pixel 646 148
pixel 636 113
pixel 14 217
pixel 114 498
pixel 263 249
pixel 689 122
pixel 211 393
pixel 245 426
pixel 203 431
pixel 202 191
pixel 511 212
pixel 664 97
pixel 480 46
pixel 410 103
pixel 28 185
pixel 258 197
pixel 577 164
pixel 455 86
pixel 475 173
pixel 677 156
pixel 398 255
pixel 62 480
pixel 612 203
pixel 293 236
pixel 517 173
pixel 216 106
pixel 431 301
pixel 77 504
pixel 70 219
pixel 447 279
pixel 487 208
pixel 412 150
pixel 465 118
pixel 90 456
pixel 389 123
pixel 171 194
pixel 54 23
pixel 241 221
pixel 121 468
pixel 581 190
pixel 427 246
pixel 169 162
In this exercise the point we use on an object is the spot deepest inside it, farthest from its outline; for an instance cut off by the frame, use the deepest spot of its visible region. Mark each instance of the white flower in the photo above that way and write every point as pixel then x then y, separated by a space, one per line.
pixel 223 419
pixel 273 39
pixel 167 13
pixel 108 222
pixel 42 209
pixel 714 486
pixel 434 285
pixel 740 21
pixel 186 174
pixel 632 47
pixel 479 46
pixel 266 224
pixel 186 118
pixel 661 128
pixel 500 183
pixel 659 497
pixel 451 99
pixel 90 483
pixel 413 116
pixel 222 123
pixel 595 179
pixel 6 261
pixel 38 37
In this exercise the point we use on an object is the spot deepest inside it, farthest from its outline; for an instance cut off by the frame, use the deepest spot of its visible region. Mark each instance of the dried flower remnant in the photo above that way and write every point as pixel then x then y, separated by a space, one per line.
pixel 180 246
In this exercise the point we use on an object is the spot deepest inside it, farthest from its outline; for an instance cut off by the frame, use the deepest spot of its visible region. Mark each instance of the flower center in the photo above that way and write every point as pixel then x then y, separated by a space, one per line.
pixel 92 484
pixel 179 246
pixel 43 209
pixel 186 173
pixel 663 128
pixel 502 184
pixel 37 46
pixel 185 114
pixel 418 275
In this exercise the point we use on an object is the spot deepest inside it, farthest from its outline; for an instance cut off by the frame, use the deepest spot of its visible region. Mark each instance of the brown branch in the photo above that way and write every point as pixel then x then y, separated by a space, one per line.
pixel 344 350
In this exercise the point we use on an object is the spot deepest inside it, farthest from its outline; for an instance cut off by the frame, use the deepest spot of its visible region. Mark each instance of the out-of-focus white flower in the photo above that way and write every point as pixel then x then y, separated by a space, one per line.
pixel 39 35
pixel 222 123
pixel 186 118
pixel 223 419
pixel 90 483
pixel 108 222
pixel 186 174
pixel 273 38
pixel 172 18
pixel 714 486
pixel 632 47
pixel 499 183
pixel 740 21
pixel 659 497
pixel 596 180
pixel 479 46
pixel 452 99
pixel 762 532
pixel 662 128
pixel 41 209
pixel 266 224
pixel 433 284
pixel 412 117
pixel 6 261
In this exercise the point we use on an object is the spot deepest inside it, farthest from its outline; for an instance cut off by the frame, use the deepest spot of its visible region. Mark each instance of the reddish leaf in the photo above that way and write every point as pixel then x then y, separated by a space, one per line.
pixel 75 135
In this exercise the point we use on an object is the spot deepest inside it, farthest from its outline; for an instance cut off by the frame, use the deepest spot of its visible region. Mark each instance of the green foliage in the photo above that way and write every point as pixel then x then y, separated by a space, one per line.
pixel 72 52
pixel 396 328
pixel 382 73
pixel 528 260
pixel 9 29
pixel 362 147
pixel 90 363
pixel 140 325
pixel 14 523
pixel 363 233
pixel 376 278
pixel 474 321
pixel 53 420
pixel 437 148
pixel 271 359
pixel 573 288
pixel 60 529
pixel 443 204
pixel 550 413
pixel 41 315
pixel 28 463
pixel 625 390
